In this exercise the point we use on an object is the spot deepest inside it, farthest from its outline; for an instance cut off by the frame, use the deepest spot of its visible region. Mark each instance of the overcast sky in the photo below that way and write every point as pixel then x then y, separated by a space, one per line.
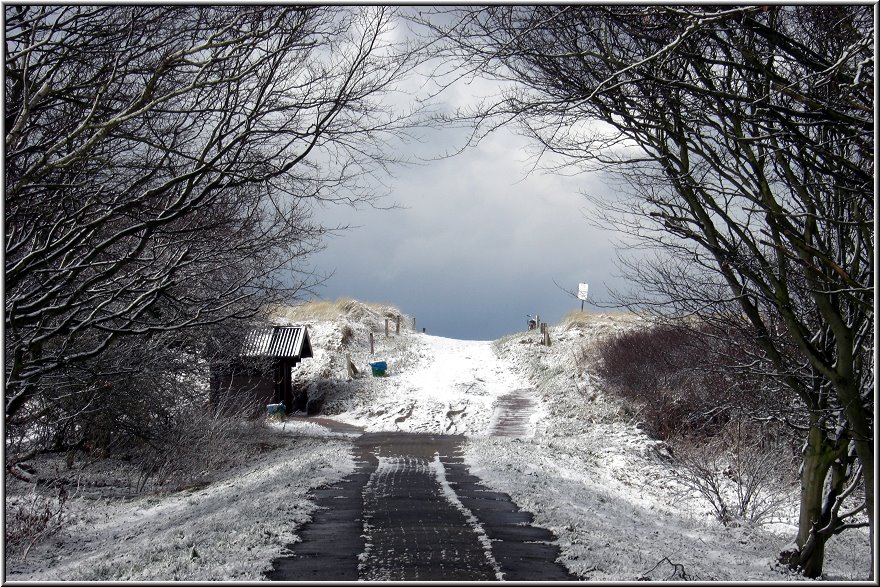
pixel 477 246
pixel 478 242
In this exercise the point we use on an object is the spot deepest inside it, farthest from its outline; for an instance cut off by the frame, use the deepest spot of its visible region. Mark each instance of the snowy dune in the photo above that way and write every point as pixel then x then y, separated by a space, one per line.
pixel 586 473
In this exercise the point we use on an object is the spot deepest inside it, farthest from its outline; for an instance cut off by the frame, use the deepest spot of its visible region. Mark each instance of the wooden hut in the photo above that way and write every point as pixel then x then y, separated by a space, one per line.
pixel 261 374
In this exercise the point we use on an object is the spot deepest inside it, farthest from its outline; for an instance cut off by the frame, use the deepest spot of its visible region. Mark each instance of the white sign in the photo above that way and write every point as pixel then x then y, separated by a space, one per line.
pixel 582 291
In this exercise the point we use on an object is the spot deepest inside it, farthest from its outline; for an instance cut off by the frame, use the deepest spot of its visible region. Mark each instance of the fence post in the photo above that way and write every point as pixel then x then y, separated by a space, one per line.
pixel 371 343
pixel 386 327
pixel 397 329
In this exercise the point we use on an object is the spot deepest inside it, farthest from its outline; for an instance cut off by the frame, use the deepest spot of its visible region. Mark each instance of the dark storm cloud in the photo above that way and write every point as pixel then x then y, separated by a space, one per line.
pixel 477 245
pixel 479 240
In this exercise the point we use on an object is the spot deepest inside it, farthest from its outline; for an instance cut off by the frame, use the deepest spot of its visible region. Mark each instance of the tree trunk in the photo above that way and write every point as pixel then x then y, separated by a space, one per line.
pixel 810 553
pixel 858 414
pixel 821 453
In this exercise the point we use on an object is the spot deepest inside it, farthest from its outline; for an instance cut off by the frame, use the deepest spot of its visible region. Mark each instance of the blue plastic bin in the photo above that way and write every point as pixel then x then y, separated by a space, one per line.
pixel 273 409
pixel 379 368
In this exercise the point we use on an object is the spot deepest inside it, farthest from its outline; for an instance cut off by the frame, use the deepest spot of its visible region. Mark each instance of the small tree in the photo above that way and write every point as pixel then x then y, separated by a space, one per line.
pixel 736 473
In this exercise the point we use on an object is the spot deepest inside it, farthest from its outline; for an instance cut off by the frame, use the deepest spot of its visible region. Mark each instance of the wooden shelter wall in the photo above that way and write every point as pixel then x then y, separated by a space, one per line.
pixel 248 393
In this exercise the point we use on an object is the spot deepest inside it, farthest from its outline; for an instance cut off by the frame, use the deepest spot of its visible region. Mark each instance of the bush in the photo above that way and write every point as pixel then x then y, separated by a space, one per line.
pixel 737 474
pixel 686 381
pixel 33 517
pixel 199 441
pixel 663 372
pixel 687 386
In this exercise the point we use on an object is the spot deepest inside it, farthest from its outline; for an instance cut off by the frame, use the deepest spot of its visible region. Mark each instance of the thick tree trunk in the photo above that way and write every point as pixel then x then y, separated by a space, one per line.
pixel 810 554
pixel 858 415
pixel 821 456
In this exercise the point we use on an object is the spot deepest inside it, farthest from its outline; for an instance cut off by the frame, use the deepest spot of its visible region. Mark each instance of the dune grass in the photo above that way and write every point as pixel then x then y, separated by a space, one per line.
pixel 327 310
pixel 577 318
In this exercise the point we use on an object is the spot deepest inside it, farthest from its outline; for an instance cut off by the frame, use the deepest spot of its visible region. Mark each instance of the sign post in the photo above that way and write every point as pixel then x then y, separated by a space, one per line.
pixel 582 293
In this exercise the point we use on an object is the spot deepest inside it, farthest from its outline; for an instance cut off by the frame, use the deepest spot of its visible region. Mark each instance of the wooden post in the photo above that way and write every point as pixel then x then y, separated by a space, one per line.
pixel 414 325
pixel 423 331
pixel 349 366
pixel 397 329
pixel 371 343
pixel 386 327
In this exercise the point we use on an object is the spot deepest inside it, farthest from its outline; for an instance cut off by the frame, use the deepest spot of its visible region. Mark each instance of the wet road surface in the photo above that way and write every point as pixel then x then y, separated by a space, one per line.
pixel 412 511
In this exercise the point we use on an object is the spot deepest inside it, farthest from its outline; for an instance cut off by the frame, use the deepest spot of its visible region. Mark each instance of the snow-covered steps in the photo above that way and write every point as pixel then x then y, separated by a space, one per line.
pixel 514 414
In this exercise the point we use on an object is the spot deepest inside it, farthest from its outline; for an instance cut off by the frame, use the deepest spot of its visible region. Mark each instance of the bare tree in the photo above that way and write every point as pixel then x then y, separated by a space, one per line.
pixel 161 168
pixel 746 137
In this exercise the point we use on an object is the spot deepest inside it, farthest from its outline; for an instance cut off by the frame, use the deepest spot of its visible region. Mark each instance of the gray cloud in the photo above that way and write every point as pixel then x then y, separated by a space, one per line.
pixel 477 245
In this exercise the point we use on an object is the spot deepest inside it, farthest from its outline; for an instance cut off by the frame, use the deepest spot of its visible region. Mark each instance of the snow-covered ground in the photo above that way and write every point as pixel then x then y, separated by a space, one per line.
pixel 583 470
pixel 604 488
pixel 229 529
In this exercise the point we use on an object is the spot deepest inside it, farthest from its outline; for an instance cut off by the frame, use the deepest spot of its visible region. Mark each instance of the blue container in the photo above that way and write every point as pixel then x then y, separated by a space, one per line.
pixel 379 368
pixel 276 409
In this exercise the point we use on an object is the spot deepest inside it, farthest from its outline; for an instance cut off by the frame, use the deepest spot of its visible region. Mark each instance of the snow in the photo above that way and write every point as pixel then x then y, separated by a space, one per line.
pixel 582 468
pixel 307 429
pixel 433 384
pixel 230 529
pixel 449 493
pixel 603 486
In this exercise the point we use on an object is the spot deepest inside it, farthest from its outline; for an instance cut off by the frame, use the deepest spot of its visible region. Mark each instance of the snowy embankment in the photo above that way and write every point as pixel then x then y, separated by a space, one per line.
pixel 584 471
pixel 604 487
pixel 227 529
pixel 433 384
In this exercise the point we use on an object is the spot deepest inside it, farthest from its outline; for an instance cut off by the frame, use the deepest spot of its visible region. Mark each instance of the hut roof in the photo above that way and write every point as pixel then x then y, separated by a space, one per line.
pixel 278 341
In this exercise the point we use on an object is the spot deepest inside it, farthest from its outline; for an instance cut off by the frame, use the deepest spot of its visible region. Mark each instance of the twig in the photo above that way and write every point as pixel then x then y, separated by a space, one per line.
pixel 677 569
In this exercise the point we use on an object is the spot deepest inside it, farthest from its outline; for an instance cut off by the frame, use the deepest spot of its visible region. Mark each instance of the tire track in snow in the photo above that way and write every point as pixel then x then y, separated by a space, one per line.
pixel 440 473
pixel 414 531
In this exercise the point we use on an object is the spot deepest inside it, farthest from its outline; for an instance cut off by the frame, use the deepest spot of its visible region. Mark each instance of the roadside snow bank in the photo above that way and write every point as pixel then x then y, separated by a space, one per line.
pixel 602 485
pixel 230 529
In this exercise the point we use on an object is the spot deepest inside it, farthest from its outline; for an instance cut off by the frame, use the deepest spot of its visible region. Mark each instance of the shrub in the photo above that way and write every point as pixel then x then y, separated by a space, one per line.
pixel 736 473
pixel 689 389
pixel 683 380
pixel 199 441
pixel 33 517
pixel 664 373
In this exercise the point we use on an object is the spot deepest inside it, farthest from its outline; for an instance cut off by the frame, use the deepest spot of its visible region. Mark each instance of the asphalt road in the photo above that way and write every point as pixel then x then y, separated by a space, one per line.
pixel 412 511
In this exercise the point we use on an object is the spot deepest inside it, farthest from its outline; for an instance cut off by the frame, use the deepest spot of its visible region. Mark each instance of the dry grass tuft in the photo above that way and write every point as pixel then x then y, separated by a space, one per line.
pixel 314 310
pixel 578 319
